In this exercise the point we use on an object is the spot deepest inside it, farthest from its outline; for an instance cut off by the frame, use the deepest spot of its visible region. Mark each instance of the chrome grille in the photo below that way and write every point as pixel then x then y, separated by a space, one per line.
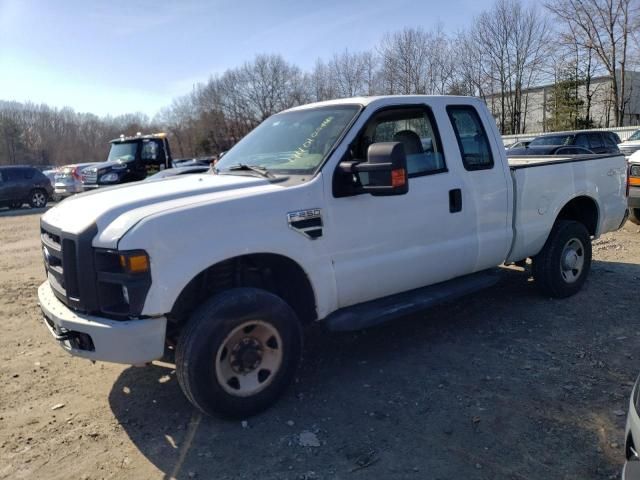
pixel 90 175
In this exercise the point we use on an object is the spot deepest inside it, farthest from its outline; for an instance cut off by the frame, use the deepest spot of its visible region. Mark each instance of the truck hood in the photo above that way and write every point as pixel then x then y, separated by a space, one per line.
pixel 116 209
pixel 635 157
pixel 108 165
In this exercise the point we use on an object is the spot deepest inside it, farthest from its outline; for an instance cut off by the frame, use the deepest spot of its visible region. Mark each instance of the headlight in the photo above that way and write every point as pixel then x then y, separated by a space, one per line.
pixel 109 177
pixel 634 171
pixel 124 279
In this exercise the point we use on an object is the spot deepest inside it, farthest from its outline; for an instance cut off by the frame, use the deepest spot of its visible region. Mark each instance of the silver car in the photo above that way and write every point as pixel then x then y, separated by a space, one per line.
pixel 68 179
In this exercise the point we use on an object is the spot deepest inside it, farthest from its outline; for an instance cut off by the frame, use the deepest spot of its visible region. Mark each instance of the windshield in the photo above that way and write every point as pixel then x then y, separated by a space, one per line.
pixel 292 142
pixel 635 136
pixel 123 151
pixel 551 140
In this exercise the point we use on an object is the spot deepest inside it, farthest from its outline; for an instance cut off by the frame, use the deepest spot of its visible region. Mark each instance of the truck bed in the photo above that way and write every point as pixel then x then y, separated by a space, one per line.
pixel 540 192
pixel 538 160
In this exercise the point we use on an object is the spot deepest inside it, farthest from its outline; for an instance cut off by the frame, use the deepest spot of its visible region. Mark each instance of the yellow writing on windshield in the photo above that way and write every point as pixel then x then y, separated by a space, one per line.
pixel 304 148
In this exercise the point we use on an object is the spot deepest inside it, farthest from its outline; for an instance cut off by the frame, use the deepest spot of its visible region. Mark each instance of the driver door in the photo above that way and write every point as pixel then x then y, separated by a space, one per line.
pixel 153 157
pixel 382 245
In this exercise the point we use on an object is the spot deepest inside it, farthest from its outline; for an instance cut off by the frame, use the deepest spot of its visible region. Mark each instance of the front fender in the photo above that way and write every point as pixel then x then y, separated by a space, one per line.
pixel 186 241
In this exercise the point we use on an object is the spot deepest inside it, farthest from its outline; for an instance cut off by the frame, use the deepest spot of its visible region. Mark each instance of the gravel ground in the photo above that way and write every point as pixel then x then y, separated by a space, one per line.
pixel 502 384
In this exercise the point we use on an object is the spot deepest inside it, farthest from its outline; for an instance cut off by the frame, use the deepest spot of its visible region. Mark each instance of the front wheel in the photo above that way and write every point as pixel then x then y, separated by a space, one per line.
pixel 38 199
pixel 634 215
pixel 238 352
pixel 562 266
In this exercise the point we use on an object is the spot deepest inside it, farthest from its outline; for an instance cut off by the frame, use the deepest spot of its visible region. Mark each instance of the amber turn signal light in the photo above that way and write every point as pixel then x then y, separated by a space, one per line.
pixel 398 177
pixel 135 263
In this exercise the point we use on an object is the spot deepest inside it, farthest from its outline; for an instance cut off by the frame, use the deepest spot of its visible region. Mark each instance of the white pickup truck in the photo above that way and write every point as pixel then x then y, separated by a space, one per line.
pixel 348 212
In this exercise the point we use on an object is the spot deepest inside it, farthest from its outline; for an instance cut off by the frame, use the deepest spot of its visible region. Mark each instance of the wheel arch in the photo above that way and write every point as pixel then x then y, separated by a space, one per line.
pixel 275 273
pixel 583 209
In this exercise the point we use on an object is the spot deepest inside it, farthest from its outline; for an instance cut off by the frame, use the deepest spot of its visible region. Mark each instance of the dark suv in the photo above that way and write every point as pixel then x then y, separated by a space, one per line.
pixel 595 141
pixel 19 185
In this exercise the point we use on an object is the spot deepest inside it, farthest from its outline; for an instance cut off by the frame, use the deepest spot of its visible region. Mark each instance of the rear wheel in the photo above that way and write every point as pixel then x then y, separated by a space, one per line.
pixel 38 198
pixel 238 352
pixel 563 265
pixel 634 215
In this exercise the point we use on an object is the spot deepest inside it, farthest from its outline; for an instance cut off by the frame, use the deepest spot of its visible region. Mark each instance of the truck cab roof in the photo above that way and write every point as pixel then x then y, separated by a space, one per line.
pixel 383 100
pixel 134 138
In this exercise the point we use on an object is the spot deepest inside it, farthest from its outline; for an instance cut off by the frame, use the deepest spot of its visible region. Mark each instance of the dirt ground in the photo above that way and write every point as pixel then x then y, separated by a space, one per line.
pixel 503 384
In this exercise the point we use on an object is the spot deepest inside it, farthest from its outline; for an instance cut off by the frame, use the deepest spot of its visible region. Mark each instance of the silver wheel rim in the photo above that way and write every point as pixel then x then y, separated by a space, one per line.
pixel 38 199
pixel 572 260
pixel 249 358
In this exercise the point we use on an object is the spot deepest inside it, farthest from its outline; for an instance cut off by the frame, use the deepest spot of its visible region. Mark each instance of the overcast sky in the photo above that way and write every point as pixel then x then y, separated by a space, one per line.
pixel 115 57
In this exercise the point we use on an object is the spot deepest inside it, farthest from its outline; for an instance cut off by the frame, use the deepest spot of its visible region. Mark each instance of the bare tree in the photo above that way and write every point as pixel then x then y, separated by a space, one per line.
pixel 320 83
pixel 513 41
pixel 604 26
pixel 404 61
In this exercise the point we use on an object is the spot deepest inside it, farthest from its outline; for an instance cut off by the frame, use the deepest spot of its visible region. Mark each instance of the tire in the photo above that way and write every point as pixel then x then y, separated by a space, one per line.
pixel 38 198
pixel 634 215
pixel 563 264
pixel 218 360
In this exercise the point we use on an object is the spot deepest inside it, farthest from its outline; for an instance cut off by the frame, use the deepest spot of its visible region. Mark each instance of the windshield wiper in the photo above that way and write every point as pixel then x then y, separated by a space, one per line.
pixel 249 168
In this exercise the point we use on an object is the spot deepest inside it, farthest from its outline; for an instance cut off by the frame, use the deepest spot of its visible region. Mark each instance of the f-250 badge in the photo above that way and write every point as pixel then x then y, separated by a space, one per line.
pixel 306 222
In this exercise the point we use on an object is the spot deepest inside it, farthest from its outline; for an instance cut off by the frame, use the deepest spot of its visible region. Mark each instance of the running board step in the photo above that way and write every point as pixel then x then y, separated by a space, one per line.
pixel 375 312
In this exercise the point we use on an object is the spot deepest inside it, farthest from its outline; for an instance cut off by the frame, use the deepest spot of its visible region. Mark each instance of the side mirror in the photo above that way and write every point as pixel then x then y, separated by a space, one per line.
pixel 384 172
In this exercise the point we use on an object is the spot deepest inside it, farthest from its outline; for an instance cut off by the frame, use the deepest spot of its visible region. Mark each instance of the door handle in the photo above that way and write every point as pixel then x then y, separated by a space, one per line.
pixel 455 200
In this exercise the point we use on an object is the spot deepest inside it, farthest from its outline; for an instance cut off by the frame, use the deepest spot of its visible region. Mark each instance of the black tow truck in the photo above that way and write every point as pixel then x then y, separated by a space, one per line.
pixel 130 159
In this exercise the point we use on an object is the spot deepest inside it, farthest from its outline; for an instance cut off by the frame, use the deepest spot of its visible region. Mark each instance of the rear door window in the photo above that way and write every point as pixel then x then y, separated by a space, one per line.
pixel 471 136
pixel 11 174
pixel 595 140
pixel 582 141
pixel 610 140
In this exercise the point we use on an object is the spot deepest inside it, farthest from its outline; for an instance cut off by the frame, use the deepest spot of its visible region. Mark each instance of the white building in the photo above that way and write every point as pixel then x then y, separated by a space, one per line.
pixel 536 108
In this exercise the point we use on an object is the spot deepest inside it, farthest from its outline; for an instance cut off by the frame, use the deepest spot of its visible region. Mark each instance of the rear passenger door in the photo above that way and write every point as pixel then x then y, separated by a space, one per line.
pixel 486 183
pixel 21 182
pixel 596 144
pixel 27 181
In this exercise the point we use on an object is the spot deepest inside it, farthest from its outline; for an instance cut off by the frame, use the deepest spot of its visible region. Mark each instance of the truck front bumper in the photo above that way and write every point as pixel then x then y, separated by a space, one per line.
pixel 96 338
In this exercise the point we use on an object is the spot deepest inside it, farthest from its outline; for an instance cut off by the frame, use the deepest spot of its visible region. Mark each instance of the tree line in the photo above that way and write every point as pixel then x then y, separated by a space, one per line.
pixel 506 50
